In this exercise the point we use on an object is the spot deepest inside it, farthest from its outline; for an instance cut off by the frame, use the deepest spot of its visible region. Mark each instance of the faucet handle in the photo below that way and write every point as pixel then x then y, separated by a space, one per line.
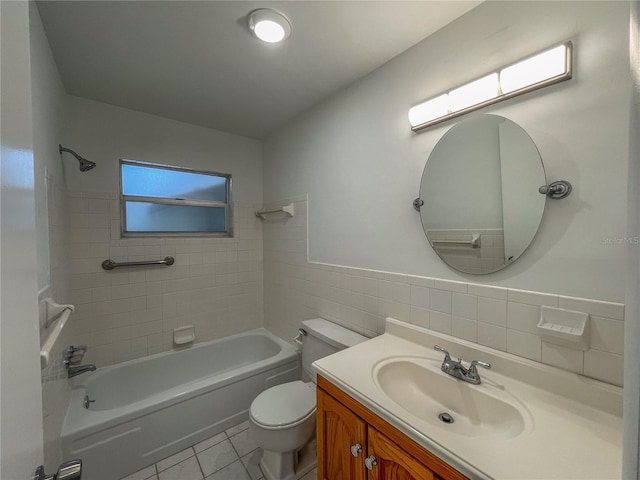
pixel 472 372
pixel 447 357
pixel 481 363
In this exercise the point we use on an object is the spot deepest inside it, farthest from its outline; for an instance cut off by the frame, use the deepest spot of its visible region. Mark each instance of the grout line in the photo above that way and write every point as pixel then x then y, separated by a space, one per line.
pixel 199 465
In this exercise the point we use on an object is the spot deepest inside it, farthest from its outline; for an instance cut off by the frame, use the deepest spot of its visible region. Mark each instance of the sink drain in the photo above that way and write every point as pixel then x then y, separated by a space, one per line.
pixel 446 418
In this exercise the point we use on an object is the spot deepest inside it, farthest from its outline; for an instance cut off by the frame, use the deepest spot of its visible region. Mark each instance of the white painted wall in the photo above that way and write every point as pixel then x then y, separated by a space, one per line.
pixel 52 225
pixel 48 120
pixel 360 164
pixel 20 400
pixel 104 134
pixel 631 454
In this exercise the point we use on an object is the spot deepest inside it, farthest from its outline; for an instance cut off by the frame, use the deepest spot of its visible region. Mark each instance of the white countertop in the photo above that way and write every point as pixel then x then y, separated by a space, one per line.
pixel 573 425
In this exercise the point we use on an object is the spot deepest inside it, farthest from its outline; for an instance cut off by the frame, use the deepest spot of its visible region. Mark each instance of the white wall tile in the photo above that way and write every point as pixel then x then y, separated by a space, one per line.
pixel 465 306
pixel 402 293
pixel 401 311
pixel 492 336
pixel 524 345
pixel 532 298
pixel 422 281
pixel 607 334
pixel 604 366
pixel 134 301
pixel 385 289
pixel 523 317
pixel 492 311
pixel 464 328
pixel 562 357
pixel 419 316
pixel 440 301
pixel 419 296
pixel 440 322
pixel 593 307
pixel 450 285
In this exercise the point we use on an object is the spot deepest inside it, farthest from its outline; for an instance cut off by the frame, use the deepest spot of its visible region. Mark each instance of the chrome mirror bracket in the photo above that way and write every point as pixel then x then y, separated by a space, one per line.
pixel 556 190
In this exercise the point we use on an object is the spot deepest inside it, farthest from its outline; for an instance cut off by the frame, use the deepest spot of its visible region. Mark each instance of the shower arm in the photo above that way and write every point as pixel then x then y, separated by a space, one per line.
pixel 68 150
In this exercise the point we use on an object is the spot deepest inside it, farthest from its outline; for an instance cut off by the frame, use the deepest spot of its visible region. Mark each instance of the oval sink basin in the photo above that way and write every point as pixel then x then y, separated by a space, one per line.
pixel 419 387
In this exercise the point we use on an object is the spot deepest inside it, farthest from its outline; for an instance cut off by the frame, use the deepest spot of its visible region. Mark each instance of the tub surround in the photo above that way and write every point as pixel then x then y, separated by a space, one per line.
pixel 149 408
pixel 501 318
pixel 215 283
pixel 562 410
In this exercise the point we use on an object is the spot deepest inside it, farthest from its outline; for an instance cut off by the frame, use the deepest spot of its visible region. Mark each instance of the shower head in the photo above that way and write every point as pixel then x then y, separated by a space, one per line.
pixel 85 165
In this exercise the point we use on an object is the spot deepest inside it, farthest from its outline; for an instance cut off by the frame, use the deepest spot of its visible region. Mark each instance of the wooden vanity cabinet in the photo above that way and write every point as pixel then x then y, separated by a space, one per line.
pixel 343 424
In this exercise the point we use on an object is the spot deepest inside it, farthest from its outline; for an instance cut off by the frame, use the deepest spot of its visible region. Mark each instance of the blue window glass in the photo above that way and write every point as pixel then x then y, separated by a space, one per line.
pixel 158 182
pixel 158 217
pixel 168 200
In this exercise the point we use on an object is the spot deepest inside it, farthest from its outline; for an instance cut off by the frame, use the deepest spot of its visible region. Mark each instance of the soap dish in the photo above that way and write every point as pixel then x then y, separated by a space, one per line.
pixel 184 335
pixel 564 327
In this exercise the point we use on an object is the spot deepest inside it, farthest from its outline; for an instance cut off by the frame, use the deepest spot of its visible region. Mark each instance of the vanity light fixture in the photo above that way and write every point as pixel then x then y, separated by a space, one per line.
pixel 546 68
pixel 269 25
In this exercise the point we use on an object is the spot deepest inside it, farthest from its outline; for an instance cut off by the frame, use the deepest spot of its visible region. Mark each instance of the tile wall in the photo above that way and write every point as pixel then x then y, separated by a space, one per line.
pixel 360 299
pixel 214 285
pixel 488 257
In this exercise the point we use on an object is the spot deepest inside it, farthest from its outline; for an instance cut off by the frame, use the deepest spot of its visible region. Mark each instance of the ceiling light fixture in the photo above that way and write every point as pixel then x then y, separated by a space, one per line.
pixel 269 25
pixel 546 68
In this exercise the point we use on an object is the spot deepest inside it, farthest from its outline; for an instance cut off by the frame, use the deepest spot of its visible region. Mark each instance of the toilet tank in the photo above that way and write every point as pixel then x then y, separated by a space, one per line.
pixel 324 338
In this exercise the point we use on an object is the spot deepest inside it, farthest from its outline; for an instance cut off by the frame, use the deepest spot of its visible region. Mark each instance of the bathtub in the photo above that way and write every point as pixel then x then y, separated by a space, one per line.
pixel 153 407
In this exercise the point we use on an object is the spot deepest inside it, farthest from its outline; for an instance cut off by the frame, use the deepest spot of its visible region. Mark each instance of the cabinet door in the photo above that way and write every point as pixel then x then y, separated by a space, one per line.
pixel 392 462
pixel 339 429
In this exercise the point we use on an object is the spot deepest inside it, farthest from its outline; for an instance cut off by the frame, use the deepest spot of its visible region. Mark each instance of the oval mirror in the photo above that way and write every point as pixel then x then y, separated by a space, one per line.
pixel 480 186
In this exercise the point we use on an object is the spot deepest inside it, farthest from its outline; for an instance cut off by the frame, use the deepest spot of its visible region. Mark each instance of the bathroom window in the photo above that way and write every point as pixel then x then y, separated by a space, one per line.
pixel 163 200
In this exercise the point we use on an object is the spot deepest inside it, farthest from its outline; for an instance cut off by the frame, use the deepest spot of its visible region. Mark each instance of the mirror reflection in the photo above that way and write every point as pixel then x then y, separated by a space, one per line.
pixel 480 186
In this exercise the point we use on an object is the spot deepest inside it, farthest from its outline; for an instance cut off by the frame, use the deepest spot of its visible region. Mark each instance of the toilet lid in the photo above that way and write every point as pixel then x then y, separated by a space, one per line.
pixel 284 404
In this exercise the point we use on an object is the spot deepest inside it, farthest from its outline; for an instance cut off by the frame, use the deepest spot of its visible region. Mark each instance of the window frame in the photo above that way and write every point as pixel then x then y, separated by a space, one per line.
pixel 228 205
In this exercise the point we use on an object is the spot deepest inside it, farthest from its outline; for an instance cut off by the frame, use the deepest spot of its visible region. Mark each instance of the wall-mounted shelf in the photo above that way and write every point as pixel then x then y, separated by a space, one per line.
pixel 564 327
pixel 287 209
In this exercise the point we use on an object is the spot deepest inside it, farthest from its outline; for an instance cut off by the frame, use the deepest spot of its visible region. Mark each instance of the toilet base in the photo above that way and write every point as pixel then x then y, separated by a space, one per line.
pixel 289 465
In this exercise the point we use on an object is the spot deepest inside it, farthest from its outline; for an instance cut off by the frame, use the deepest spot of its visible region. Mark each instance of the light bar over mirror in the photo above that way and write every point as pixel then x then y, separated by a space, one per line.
pixel 545 68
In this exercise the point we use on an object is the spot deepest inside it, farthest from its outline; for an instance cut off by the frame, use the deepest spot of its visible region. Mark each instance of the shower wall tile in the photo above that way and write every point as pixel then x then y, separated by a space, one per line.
pixel 505 319
pixel 214 285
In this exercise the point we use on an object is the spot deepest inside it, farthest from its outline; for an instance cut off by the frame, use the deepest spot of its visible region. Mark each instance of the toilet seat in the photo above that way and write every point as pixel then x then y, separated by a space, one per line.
pixel 284 406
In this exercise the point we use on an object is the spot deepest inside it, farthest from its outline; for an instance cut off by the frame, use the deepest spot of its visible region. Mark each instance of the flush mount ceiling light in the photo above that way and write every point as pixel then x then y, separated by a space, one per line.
pixel 537 71
pixel 269 25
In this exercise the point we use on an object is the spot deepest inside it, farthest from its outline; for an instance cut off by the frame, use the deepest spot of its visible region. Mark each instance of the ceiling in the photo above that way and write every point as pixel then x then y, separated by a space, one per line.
pixel 198 63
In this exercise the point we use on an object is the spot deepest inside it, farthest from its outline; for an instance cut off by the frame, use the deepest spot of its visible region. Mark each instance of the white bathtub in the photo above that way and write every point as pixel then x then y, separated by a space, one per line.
pixel 150 408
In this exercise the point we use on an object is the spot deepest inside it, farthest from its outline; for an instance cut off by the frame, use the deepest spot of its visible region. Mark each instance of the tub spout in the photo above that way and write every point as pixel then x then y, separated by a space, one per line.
pixel 76 370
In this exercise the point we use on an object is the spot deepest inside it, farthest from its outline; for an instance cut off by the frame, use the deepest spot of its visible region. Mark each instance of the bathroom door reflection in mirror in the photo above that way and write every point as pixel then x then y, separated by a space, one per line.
pixel 480 186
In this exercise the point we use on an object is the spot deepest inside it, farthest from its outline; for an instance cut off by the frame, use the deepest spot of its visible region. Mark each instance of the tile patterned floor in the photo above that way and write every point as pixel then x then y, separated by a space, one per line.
pixel 230 455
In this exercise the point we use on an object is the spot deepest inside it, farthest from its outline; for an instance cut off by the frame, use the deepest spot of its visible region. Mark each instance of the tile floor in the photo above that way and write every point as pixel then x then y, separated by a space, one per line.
pixel 230 455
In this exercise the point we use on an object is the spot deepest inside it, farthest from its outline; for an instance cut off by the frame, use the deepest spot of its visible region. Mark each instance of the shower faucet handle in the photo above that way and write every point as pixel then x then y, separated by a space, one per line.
pixel 79 350
pixel 71 470
pixel 74 355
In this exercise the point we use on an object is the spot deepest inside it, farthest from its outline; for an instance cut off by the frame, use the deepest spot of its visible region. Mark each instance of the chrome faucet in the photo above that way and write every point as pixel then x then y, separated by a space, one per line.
pixel 75 370
pixel 457 370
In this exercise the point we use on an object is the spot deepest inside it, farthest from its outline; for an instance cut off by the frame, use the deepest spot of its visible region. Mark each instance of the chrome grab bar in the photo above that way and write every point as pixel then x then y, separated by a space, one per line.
pixel 110 264
pixel 288 209
pixel 473 243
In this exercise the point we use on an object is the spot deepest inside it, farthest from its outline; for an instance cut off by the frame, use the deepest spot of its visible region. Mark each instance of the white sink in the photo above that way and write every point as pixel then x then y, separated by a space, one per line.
pixel 419 387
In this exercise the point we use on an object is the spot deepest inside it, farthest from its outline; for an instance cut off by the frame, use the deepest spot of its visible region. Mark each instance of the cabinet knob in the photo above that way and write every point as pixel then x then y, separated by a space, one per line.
pixel 370 462
pixel 356 449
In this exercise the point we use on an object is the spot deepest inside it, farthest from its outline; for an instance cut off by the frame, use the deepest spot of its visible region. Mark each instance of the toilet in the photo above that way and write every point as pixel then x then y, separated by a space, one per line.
pixel 283 418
